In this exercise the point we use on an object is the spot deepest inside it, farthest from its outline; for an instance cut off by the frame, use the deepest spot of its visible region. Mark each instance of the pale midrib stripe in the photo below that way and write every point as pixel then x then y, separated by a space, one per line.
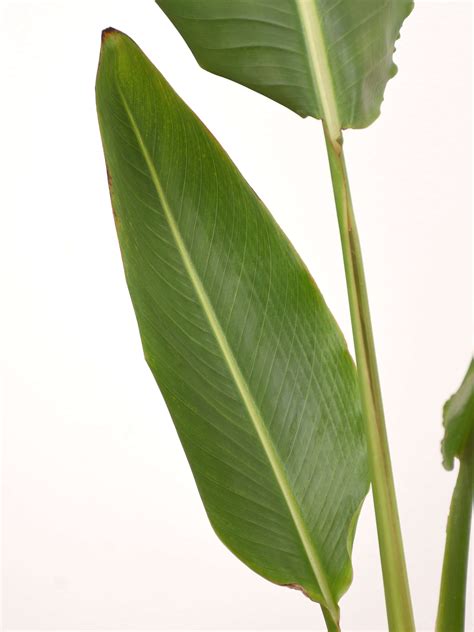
pixel 242 386
pixel 320 70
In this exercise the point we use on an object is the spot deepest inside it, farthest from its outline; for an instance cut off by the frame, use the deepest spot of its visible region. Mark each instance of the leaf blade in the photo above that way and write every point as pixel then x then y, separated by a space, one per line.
pixel 330 60
pixel 242 387
pixel 215 287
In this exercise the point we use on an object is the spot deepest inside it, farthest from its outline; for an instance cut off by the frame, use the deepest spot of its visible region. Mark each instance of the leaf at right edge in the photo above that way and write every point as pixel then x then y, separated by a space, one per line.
pixel 250 362
pixel 458 441
pixel 458 420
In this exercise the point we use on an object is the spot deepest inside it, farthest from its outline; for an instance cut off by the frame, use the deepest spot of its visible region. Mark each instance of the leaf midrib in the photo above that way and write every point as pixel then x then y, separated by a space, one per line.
pixel 319 67
pixel 240 382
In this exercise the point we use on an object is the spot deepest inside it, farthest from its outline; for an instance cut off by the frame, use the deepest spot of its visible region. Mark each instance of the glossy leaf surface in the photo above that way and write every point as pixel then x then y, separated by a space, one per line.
pixel 330 59
pixel 252 365
pixel 458 420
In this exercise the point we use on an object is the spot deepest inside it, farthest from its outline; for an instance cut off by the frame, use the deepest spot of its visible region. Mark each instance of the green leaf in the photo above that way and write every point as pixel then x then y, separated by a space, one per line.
pixel 250 362
pixel 458 420
pixel 330 59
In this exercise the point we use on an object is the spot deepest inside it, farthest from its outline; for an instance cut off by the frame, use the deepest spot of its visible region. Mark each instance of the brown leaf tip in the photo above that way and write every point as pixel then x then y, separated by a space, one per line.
pixel 106 33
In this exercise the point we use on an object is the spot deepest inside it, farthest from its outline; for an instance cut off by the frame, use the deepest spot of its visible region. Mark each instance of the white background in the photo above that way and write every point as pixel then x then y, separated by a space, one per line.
pixel 102 524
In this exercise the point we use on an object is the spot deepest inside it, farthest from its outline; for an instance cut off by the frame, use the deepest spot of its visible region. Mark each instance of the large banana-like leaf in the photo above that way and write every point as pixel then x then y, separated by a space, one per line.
pixel 252 365
pixel 330 59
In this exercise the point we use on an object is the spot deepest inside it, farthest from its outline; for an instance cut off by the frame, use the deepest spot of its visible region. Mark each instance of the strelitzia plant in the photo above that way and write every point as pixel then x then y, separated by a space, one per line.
pixel 283 432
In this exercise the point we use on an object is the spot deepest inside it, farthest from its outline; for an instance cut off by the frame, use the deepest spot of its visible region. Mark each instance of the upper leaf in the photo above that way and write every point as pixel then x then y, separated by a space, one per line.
pixel 458 420
pixel 330 59
pixel 252 365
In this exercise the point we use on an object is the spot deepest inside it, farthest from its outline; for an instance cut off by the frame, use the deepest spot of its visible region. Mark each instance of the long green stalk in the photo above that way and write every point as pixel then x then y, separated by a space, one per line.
pixel 452 597
pixel 397 592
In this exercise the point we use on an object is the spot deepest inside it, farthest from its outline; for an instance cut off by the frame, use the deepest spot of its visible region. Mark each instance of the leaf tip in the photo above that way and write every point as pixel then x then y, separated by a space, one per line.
pixel 108 33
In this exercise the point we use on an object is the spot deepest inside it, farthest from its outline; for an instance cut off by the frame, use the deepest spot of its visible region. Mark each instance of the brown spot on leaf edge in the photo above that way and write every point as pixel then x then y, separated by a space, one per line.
pixel 297 587
pixel 109 180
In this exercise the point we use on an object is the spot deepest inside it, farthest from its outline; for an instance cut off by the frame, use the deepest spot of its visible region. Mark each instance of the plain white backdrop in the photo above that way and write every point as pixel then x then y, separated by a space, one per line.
pixel 102 525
